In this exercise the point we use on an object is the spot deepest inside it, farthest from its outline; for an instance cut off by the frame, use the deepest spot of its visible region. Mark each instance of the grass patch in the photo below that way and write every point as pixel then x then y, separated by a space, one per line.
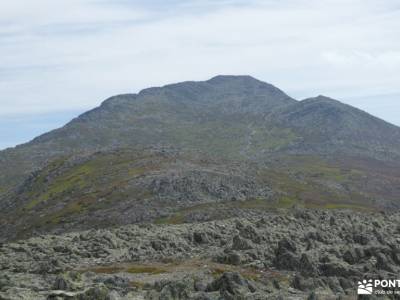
pixel 103 174
pixel 106 270
pixel 271 139
pixel 333 205
pixel 260 203
pixel 315 167
pixel 146 269
pixel 251 275
pixel 177 218
pixel 347 206
pixel 286 202
pixel 132 269
pixel 2 189
pixel 216 272
pixel 75 179
pixel 137 285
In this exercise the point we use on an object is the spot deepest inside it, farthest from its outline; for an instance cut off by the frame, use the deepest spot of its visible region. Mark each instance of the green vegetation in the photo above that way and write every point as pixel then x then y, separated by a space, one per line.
pixel 85 181
pixel 356 207
pixel 68 190
pixel 265 204
pixel 286 202
pixel 247 273
pixel 74 179
pixel 218 271
pixel 215 137
pixel 272 139
pixel 180 215
pixel 106 270
pixel 316 168
pixel 177 218
pixel 283 203
pixel 137 285
pixel 139 269
pixel 133 269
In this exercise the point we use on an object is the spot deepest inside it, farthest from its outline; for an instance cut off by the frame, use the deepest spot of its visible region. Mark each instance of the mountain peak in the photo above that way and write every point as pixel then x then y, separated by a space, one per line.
pixel 234 93
pixel 241 80
pixel 324 102
pixel 321 98
pixel 225 78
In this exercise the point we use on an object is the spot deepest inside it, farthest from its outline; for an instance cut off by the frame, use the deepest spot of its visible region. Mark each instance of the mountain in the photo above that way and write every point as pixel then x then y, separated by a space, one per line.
pixel 327 125
pixel 188 114
pixel 191 151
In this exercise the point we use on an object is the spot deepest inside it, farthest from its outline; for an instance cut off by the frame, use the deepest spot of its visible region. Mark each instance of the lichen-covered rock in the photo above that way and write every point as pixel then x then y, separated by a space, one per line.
pixel 275 256
pixel 232 286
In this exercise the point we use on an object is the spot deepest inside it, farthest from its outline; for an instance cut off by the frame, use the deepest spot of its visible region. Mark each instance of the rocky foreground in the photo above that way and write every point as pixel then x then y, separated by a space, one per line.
pixel 304 254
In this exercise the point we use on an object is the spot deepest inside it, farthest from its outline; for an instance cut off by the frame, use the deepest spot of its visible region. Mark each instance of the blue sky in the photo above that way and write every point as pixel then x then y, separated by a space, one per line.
pixel 60 58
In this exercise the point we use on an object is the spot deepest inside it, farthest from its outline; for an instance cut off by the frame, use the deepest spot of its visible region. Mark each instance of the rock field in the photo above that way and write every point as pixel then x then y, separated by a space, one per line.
pixel 301 254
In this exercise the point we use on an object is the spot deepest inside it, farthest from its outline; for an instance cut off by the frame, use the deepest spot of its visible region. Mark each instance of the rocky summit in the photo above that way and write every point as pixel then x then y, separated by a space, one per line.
pixel 221 189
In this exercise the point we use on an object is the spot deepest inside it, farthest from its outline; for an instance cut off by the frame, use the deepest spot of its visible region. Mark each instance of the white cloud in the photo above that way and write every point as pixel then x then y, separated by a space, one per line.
pixel 71 54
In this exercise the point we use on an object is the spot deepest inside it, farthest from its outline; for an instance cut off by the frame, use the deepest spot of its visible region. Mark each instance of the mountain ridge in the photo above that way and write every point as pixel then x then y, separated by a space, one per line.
pixel 305 153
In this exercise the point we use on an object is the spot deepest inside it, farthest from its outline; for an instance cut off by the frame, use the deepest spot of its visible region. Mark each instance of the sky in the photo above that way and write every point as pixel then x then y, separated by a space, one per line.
pixel 60 58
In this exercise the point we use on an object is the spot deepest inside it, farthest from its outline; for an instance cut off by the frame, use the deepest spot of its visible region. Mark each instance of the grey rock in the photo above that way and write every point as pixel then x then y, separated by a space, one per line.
pixel 231 286
pixel 240 243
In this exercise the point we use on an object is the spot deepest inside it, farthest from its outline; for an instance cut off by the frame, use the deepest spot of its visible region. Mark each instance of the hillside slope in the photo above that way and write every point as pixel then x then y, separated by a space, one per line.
pixel 209 115
pixel 191 151
pixel 329 126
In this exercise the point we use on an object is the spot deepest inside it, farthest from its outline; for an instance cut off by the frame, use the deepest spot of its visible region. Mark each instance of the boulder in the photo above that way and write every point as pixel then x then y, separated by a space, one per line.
pixel 231 285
